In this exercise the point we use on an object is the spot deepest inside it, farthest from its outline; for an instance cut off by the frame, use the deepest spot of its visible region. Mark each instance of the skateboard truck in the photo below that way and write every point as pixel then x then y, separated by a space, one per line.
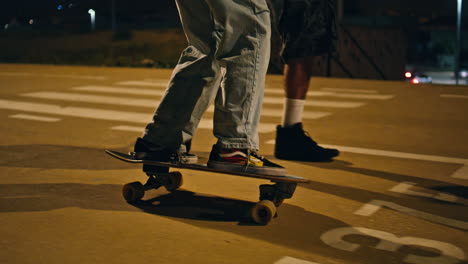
pixel 277 192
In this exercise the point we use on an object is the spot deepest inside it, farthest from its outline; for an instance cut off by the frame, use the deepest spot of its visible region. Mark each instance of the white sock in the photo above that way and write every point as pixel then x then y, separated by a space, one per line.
pixel 292 111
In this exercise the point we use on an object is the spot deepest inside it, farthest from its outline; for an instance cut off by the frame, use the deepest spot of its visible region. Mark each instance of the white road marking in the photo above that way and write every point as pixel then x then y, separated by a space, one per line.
pixel 457 96
pixel 272 112
pixel 165 82
pixel 268 91
pixel 374 205
pixel 147 103
pixel 405 188
pixel 334 94
pixel 35 118
pixel 75 76
pixel 91 113
pixel 119 90
pixel 48 75
pixel 393 154
pixel 279 91
pixel 21 197
pixel 204 124
pixel 160 83
pixel 75 97
pixel 291 260
pixel 129 128
pixel 321 103
pixel 268 100
pixel 305 115
pixel 403 155
pixel 100 114
pixel 358 96
pixel 449 254
pixel 461 173
pixel 16 74
pixel 348 90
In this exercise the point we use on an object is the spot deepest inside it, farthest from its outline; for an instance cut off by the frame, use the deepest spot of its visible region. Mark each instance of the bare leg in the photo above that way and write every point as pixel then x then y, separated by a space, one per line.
pixel 297 74
pixel 296 78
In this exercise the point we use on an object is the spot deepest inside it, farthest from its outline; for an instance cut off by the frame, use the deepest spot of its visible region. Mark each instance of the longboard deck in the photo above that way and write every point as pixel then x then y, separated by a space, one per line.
pixel 203 167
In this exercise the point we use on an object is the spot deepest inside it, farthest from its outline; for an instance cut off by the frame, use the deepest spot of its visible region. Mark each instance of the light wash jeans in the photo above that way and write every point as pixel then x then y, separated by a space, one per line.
pixel 226 61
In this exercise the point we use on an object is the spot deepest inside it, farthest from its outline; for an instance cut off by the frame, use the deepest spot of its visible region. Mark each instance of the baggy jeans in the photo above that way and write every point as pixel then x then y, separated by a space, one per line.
pixel 226 62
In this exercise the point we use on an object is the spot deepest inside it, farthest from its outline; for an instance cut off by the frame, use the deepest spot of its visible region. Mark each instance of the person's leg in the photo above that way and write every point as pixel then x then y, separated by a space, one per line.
pixel 303 40
pixel 244 55
pixel 296 84
pixel 194 82
pixel 243 51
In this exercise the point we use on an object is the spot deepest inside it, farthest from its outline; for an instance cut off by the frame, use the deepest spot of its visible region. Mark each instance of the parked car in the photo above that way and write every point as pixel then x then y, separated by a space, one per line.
pixel 417 77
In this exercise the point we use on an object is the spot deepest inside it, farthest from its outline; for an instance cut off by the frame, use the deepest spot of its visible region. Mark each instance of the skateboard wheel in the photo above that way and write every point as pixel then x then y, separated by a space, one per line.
pixel 133 192
pixel 174 181
pixel 263 212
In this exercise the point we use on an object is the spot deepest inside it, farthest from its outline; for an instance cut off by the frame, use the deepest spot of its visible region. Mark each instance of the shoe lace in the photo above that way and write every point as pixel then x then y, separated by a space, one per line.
pixel 252 153
pixel 309 139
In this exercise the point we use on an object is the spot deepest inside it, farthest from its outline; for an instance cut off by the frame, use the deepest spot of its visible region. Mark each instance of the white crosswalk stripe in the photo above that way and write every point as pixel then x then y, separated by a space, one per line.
pixel 456 96
pixel 317 103
pixel 327 92
pixel 119 90
pixel 346 90
pixel 84 112
pixel 35 118
pixel 147 103
pixel 204 124
pixel 147 93
pixel 159 83
pixel 100 114
pixel 153 92
pixel 267 99
pixel 335 94
pixel 86 98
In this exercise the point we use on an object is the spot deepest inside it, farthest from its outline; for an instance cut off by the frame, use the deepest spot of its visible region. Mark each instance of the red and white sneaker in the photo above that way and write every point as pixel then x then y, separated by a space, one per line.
pixel 243 160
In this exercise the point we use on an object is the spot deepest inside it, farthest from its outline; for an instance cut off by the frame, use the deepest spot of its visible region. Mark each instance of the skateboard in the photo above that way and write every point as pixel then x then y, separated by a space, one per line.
pixel 271 195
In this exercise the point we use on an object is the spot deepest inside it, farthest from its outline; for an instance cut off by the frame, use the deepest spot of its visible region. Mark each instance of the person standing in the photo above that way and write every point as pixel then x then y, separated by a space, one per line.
pixel 307 30
pixel 226 62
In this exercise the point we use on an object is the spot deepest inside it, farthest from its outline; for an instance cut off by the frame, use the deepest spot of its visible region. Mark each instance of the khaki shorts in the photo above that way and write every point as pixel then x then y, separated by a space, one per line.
pixel 306 27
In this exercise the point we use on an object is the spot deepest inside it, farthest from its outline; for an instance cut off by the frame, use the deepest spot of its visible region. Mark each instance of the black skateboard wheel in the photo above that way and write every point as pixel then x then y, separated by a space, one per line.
pixel 174 181
pixel 263 211
pixel 133 192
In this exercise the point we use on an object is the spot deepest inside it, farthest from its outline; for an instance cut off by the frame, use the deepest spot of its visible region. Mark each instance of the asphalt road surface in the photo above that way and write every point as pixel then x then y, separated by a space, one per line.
pixel 398 192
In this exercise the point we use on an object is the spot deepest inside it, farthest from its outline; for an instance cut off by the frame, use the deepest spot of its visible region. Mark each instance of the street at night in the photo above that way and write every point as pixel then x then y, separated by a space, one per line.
pixel 397 193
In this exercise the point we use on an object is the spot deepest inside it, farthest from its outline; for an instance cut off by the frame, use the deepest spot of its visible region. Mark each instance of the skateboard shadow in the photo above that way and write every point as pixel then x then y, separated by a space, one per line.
pixel 295 227
pixel 58 157
pixel 181 204
pixel 460 191
pixel 189 205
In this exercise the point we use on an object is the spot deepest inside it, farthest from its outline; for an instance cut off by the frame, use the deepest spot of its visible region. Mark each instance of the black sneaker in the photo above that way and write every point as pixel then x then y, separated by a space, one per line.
pixel 243 160
pixel 293 143
pixel 144 150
